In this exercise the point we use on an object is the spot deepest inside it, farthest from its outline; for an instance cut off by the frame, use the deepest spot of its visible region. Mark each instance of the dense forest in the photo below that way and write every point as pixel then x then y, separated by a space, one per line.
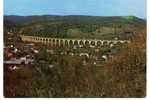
pixel 73 26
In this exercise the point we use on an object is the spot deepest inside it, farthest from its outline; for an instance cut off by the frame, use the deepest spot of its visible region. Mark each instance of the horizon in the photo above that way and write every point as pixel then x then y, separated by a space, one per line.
pixel 74 15
pixel 69 7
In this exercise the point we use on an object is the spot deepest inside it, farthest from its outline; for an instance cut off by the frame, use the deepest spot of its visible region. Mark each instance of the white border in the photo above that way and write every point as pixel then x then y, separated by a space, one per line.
pixel 1 61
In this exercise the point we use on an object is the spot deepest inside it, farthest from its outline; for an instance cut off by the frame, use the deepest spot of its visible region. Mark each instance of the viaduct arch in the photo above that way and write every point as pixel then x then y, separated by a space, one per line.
pixel 71 42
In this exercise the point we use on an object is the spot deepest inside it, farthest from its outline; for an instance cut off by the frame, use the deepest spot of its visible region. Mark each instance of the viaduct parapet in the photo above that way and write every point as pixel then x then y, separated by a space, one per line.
pixel 71 42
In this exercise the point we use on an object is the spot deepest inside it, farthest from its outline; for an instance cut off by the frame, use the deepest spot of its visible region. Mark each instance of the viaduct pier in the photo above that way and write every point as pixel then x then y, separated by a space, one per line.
pixel 71 42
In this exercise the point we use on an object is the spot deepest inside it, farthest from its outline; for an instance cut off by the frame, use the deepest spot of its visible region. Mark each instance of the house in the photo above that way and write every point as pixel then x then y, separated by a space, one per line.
pixel 104 57
pixel 22 60
pixel 84 54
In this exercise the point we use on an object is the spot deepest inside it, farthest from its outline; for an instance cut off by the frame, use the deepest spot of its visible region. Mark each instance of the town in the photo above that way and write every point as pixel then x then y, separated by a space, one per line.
pixel 23 53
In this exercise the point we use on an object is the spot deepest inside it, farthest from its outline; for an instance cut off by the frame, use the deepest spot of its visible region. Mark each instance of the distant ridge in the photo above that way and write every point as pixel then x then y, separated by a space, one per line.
pixel 73 26
pixel 22 19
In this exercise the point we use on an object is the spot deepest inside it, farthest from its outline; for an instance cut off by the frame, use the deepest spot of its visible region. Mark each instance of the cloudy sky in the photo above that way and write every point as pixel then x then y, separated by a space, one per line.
pixel 76 7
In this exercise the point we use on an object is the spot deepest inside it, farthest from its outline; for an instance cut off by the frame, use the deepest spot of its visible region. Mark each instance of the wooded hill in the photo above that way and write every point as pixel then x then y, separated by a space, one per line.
pixel 74 26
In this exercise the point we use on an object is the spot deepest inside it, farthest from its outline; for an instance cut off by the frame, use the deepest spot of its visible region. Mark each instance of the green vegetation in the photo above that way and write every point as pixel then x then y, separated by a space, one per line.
pixel 75 26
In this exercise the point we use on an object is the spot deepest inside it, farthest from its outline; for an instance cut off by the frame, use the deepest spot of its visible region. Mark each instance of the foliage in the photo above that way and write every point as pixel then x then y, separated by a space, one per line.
pixel 127 72
pixel 74 26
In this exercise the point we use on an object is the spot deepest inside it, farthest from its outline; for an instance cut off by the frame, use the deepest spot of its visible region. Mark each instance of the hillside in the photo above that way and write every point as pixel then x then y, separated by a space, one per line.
pixel 74 26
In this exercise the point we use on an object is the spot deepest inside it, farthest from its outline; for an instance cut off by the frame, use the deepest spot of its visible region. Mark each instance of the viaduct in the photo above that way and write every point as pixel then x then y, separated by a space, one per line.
pixel 71 42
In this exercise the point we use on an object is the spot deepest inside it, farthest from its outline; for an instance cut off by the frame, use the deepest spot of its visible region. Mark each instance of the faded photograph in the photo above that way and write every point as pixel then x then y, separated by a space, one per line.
pixel 74 48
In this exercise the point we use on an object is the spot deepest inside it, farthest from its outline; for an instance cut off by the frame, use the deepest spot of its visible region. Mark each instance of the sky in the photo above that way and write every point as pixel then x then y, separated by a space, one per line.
pixel 76 7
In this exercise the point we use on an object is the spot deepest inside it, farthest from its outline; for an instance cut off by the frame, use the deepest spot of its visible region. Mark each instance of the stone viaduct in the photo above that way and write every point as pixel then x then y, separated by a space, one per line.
pixel 71 42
